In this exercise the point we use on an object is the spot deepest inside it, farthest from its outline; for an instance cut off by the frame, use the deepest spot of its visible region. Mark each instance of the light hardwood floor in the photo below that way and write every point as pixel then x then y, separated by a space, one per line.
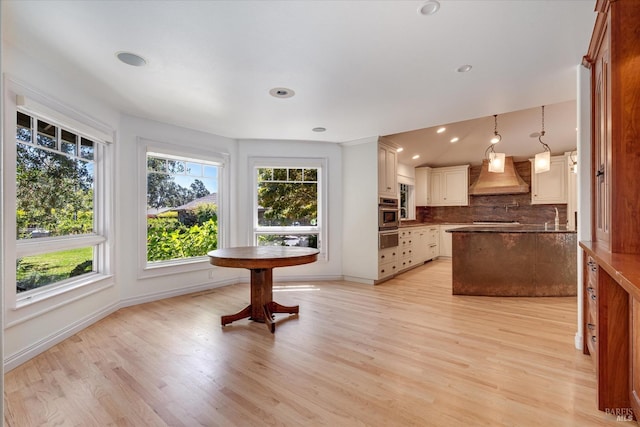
pixel 402 353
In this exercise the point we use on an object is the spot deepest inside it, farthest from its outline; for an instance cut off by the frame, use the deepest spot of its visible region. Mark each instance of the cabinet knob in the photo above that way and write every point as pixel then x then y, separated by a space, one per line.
pixel 591 326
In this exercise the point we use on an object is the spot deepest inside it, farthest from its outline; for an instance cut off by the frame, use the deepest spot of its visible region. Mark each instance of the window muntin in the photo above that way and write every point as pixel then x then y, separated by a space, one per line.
pixel 57 239
pixel 182 207
pixel 287 206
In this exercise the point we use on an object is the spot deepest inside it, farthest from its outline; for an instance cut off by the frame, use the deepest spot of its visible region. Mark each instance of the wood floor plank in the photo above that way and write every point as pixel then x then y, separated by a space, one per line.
pixel 402 353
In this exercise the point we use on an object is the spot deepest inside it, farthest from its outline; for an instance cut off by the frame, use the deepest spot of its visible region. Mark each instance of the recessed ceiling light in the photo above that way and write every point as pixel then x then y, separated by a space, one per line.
pixel 442 129
pixel 131 59
pixel 399 150
pixel 319 129
pixel 455 139
pixel 464 68
pixel 429 8
pixel 282 92
pixel 417 156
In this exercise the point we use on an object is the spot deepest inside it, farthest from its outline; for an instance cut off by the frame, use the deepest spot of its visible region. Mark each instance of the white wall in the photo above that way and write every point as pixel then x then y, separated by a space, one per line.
pixel 130 223
pixel 360 198
pixel 331 268
pixel 31 330
pixel 27 335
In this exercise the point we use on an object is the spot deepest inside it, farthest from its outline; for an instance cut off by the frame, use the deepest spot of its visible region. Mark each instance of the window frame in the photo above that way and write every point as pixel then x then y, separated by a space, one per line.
pixel 291 162
pixel 182 150
pixel 410 199
pixel 18 97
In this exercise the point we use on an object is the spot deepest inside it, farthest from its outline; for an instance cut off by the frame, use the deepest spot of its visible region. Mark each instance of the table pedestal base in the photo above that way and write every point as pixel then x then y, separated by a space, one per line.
pixel 262 306
pixel 268 311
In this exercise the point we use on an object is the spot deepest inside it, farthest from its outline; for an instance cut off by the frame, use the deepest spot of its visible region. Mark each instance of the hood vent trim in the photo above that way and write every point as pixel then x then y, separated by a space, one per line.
pixel 507 182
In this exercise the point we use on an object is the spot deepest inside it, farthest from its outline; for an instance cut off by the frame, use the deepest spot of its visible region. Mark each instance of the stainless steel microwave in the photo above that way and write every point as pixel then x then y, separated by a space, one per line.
pixel 388 214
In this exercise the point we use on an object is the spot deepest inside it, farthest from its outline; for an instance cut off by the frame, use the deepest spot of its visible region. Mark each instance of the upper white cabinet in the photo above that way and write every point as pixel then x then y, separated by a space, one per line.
pixel 387 171
pixel 442 186
pixel 422 190
pixel 550 187
pixel 449 186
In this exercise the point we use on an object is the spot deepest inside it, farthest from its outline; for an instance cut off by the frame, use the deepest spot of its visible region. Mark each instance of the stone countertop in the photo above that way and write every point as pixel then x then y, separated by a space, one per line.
pixel 516 228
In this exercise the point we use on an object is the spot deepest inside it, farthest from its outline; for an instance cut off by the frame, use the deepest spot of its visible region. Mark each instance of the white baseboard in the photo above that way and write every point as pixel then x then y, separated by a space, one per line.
pixel 578 340
pixel 128 302
pixel 16 359
pixel 46 343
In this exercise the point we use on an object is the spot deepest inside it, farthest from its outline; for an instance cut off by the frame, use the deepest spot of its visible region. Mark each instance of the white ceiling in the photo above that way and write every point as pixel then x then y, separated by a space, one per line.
pixel 358 68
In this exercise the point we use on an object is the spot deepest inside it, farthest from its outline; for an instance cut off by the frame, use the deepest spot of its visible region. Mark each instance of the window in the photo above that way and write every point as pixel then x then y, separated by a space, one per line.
pixel 60 223
pixel 182 206
pixel 407 206
pixel 288 203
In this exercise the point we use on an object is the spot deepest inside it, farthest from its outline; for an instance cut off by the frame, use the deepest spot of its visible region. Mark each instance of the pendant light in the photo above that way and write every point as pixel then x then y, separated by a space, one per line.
pixel 574 161
pixel 542 161
pixel 495 160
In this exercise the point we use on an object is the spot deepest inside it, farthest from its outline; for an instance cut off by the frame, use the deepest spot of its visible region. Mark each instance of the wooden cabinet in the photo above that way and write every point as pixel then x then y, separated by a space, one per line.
pixel 590 308
pixel 422 190
pixel 387 171
pixel 615 183
pixel 615 100
pixel 449 186
pixel 550 187
pixel 635 354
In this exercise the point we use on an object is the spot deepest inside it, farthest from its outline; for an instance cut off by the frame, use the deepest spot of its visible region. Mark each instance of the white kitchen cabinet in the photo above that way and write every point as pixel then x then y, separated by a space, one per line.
pixel 422 190
pixel 387 171
pixel 432 242
pixel 420 245
pixel 387 262
pixel 449 186
pixel 550 187
pixel 446 247
pixel 406 248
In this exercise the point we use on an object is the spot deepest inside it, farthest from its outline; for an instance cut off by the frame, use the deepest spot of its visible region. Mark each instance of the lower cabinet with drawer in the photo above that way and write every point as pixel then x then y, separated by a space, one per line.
pixel 607 335
pixel 405 249
pixel 387 262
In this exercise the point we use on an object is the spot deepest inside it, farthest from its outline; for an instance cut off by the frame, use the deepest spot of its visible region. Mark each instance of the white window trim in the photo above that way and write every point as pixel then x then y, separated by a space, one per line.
pixel 291 162
pixel 38 301
pixel 411 200
pixel 181 150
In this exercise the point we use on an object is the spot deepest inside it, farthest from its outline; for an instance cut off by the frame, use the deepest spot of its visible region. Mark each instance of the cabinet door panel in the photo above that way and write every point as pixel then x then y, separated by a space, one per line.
pixel 456 188
pixel 551 186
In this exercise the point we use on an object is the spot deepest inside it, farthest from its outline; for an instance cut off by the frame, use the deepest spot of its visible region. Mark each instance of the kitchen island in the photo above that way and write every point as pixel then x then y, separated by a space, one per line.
pixel 514 260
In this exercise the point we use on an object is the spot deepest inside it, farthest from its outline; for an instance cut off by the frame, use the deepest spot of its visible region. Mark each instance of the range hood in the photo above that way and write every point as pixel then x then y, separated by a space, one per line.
pixel 507 182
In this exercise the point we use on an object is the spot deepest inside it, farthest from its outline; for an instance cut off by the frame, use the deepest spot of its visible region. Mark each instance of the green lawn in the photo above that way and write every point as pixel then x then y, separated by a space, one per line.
pixel 40 270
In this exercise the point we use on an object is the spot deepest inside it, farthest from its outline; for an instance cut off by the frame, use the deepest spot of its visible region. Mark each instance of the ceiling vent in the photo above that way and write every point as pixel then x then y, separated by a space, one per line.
pixel 507 182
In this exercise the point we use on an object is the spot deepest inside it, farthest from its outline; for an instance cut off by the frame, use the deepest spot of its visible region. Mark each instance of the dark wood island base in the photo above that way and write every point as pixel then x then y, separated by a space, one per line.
pixel 519 261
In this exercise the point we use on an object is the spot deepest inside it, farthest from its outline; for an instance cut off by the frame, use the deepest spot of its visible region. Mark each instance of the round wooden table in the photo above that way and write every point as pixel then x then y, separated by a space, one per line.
pixel 261 260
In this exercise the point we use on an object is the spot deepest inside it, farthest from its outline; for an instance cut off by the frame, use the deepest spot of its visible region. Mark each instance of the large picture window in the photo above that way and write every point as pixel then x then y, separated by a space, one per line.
pixel 182 207
pixel 60 192
pixel 288 204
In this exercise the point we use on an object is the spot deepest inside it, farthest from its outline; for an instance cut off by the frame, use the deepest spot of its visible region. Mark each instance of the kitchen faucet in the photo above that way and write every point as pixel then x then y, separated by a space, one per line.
pixel 512 205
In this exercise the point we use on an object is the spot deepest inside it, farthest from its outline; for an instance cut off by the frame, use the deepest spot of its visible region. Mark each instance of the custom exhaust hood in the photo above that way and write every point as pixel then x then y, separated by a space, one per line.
pixel 507 182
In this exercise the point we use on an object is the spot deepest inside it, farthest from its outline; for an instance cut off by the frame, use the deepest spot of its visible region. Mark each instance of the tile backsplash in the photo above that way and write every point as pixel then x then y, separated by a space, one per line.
pixel 503 207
